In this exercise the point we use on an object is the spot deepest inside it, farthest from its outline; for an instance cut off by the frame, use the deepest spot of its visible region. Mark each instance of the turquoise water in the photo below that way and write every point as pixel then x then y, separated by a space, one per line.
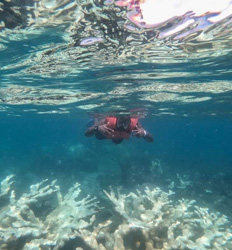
pixel 63 63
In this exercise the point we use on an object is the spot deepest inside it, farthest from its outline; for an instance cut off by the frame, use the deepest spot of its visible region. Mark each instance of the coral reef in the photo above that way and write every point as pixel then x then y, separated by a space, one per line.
pixel 5 186
pixel 167 225
pixel 44 219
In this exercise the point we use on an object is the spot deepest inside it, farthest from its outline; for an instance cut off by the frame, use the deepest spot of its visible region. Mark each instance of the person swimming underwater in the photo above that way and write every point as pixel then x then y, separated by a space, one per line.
pixel 117 129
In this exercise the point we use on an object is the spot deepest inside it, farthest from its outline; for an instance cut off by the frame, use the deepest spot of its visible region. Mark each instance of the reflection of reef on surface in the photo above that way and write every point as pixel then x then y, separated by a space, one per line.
pixel 42 96
pixel 149 219
pixel 215 93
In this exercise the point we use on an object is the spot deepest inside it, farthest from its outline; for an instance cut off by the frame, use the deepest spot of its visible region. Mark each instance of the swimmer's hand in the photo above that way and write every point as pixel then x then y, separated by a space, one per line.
pixel 139 132
pixel 103 129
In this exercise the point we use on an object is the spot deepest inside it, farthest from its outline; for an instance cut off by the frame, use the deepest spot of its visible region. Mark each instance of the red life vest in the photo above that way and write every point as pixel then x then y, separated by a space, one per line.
pixel 112 123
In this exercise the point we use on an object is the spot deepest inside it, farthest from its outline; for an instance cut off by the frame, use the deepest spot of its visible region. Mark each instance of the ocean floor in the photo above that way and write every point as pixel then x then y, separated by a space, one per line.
pixel 116 210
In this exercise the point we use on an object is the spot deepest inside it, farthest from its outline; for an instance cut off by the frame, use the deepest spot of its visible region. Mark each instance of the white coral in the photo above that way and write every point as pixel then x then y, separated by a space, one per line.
pixel 161 223
pixel 6 185
pixel 187 226
pixel 67 218
pixel 20 220
pixel 141 210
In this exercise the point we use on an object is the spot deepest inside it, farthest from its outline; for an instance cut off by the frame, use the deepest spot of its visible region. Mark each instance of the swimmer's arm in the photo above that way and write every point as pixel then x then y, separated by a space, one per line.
pixel 93 129
pixel 144 134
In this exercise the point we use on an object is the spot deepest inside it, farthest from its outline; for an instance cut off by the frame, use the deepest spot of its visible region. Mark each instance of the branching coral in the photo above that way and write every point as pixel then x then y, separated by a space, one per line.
pixel 43 219
pixel 141 210
pixel 5 185
pixel 167 225
pixel 64 222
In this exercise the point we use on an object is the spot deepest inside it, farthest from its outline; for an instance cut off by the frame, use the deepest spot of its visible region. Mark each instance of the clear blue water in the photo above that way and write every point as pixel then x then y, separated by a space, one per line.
pixel 53 146
pixel 52 85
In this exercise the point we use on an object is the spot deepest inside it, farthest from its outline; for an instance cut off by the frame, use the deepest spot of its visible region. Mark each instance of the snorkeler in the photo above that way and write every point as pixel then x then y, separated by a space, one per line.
pixel 117 129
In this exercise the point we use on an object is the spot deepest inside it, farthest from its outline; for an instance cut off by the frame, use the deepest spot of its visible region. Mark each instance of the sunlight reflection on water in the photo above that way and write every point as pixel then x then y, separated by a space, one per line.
pixel 89 53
